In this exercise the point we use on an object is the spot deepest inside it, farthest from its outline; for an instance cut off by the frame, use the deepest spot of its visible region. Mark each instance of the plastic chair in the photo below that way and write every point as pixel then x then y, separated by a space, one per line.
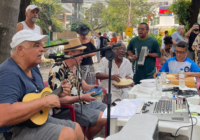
pixel 158 66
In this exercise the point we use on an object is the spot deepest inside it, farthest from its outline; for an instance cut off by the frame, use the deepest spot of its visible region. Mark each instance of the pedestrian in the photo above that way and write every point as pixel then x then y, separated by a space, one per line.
pixel 113 40
pixel 166 52
pixel 191 35
pixel 104 42
pixel 177 37
pixel 163 45
pixel 147 70
pixel 87 68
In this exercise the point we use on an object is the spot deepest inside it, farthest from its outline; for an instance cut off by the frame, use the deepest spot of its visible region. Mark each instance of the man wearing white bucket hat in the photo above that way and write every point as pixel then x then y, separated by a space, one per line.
pixel 20 76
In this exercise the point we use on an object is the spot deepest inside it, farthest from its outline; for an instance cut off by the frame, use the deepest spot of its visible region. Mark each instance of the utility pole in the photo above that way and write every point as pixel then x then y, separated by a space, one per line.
pixel 130 11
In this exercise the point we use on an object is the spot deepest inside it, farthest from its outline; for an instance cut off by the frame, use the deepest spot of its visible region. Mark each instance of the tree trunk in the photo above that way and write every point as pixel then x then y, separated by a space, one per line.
pixel 9 11
pixel 194 12
pixel 23 5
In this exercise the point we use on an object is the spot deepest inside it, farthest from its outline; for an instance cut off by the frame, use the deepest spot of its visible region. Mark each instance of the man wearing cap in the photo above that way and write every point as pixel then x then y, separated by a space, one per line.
pixel 32 12
pixel 20 76
pixel 89 114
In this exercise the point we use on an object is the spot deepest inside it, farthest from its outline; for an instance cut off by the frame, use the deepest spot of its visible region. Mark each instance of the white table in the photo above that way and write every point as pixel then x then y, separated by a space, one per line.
pixel 164 126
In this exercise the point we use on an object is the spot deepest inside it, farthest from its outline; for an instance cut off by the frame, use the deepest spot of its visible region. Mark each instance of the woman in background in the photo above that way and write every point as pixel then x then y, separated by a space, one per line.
pixel 166 53
pixel 113 40
pixel 87 68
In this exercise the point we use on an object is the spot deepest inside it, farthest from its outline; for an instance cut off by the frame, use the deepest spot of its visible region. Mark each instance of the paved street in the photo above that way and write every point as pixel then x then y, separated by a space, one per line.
pixel 162 136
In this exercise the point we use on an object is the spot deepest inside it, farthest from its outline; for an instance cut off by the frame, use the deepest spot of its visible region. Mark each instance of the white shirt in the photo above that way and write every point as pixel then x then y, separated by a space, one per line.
pixel 163 45
pixel 97 43
pixel 36 30
pixel 125 70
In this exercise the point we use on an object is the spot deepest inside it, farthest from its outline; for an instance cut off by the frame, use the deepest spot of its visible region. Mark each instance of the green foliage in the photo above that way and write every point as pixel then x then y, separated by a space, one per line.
pixel 94 16
pixel 58 41
pixel 118 11
pixel 56 9
pixel 74 25
pixel 158 37
pixel 181 11
pixel 172 30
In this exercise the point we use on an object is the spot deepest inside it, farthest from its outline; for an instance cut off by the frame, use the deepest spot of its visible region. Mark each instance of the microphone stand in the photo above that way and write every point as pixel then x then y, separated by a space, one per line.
pixel 110 55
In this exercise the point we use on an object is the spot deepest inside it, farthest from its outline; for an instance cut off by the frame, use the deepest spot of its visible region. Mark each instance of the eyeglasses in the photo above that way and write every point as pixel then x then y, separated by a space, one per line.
pixel 38 45
pixel 141 29
pixel 179 52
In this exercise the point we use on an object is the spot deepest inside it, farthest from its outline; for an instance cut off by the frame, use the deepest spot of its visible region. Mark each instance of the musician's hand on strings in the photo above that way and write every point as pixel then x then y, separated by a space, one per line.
pixel 52 101
pixel 116 77
pixel 66 89
pixel 135 57
pixel 88 97
pixel 147 54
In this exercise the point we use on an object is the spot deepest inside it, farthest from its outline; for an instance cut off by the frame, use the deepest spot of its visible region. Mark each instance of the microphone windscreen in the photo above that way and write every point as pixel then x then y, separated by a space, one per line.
pixel 50 51
pixel 117 45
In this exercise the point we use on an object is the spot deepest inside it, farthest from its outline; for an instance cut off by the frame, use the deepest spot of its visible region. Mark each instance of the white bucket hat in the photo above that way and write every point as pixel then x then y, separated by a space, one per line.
pixel 31 7
pixel 26 35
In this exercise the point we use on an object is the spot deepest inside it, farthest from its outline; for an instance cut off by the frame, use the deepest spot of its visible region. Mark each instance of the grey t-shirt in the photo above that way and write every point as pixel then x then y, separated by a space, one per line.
pixel 177 37
pixel 14 84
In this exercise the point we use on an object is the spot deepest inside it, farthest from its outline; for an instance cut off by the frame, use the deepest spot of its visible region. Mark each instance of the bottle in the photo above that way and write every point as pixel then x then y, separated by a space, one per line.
pixel 164 77
pixel 181 79
pixel 159 84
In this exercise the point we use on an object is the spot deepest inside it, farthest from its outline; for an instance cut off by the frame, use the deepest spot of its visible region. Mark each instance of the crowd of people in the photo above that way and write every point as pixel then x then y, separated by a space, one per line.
pixel 20 75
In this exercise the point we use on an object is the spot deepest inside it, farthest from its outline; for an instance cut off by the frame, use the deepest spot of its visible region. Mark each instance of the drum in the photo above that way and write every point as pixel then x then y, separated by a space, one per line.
pixel 189 81
pixel 124 83
pixel 98 91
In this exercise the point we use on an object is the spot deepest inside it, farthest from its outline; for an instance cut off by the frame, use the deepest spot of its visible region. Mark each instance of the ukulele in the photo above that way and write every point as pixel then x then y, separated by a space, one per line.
pixel 41 117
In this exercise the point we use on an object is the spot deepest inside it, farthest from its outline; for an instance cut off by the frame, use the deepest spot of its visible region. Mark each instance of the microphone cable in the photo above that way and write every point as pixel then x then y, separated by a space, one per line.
pixel 78 87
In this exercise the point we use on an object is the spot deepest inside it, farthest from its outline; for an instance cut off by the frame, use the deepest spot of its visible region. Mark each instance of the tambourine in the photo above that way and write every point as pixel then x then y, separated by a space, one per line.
pixel 98 91
pixel 124 83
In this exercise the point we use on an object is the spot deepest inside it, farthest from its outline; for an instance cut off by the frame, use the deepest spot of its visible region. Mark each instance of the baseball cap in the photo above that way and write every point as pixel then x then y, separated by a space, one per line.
pixel 26 35
pixel 31 7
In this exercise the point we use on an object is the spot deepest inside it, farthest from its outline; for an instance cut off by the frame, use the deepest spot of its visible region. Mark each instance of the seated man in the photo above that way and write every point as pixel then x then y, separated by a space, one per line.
pixel 174 64
pixel 20 76
pixel 90 114
pixel 121 68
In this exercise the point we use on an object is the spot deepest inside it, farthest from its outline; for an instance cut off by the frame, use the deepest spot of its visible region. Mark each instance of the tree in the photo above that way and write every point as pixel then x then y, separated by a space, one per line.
pixel 43 21
pixel 94 16
pixel 23 5
pixel 186 11
pixel 9 11
pixel 117 13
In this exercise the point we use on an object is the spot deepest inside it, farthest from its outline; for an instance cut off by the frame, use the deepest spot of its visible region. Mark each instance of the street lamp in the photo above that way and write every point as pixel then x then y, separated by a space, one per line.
pixel 50 22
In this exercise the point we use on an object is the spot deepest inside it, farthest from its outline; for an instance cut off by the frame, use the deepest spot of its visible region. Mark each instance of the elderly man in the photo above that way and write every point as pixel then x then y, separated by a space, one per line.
pixel 177 37
pixel 121 69
pixel 104 41
pixel 174 64
pixel 147 70
pixel 32 12
pixel 20 76
pixel 89 114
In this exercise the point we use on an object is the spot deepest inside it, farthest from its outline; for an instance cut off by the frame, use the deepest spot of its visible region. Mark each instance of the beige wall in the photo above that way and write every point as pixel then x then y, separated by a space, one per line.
pixel 67 35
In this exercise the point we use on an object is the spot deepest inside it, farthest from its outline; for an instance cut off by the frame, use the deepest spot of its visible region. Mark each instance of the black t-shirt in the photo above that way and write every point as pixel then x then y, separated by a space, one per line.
pixel 191 40
pixel 88 60
pixel 103 43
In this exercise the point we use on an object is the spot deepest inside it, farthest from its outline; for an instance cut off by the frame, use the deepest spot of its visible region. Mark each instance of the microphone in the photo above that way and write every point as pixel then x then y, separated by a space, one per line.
pixel 52 54
pixel 56 45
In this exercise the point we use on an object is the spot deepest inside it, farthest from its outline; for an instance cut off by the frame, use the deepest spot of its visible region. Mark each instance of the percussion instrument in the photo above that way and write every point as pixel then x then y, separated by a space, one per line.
pixel 143 52
pixel 124 83
pixel 189 81
pixel 98 91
